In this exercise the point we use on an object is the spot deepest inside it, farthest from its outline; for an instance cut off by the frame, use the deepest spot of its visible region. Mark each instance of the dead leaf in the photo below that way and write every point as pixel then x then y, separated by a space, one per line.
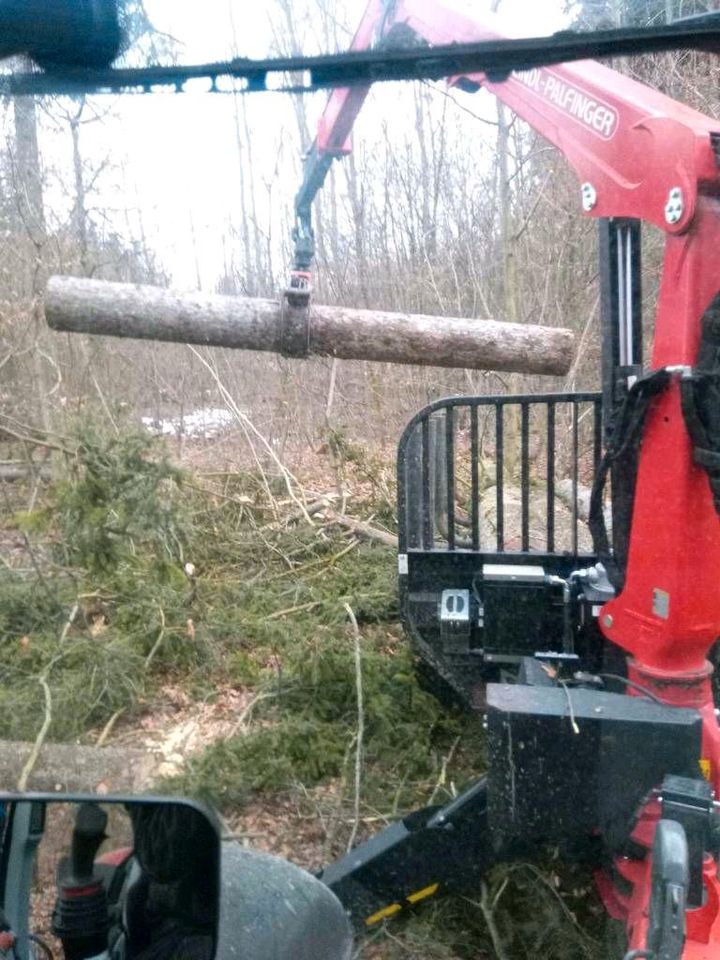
pixel 98 624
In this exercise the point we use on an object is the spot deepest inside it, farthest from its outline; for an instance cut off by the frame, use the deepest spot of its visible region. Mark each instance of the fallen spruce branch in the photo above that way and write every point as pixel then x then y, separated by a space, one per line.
pixel 12 430
pixel 312 567
pixel 277 614
pixel 109 726
pixel 360 733
pixel 323 505
pixel 363 530
pixel 241 721
pixel 311 510
pixel 32 759
pixel 12 472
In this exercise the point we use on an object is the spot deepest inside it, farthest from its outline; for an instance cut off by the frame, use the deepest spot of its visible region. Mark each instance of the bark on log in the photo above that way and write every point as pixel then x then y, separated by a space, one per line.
pixel 11 472
pixel 363 530
pixel 70 768
pixel 130 310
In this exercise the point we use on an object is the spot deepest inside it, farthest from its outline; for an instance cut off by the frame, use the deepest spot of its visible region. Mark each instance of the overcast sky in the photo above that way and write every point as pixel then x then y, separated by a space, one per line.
pixel 174 160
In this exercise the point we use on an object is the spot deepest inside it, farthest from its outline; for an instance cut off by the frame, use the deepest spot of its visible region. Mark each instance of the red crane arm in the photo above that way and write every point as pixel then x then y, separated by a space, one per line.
pixel 635 150
pixel 343 106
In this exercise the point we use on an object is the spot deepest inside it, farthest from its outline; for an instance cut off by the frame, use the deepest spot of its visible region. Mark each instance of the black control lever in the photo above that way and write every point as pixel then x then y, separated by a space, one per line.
pixel 88 835
pixel 80 918
pixel 668 897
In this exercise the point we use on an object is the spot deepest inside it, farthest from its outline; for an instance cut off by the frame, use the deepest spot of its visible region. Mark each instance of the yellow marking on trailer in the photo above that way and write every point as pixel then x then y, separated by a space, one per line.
pixel 425 892
pixel 382 914
pixel 397 907
pixel 706 768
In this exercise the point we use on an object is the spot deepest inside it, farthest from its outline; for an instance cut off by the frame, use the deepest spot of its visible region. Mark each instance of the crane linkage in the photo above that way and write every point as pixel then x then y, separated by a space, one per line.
pixel 630 781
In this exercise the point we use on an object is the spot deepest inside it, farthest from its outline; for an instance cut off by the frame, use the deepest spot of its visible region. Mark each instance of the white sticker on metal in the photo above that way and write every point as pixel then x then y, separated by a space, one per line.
pixel 513 573
pixel 661 603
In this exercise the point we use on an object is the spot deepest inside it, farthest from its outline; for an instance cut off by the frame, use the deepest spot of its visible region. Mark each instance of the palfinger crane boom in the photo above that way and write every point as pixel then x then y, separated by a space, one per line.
pixel 631 147
pixel 639 156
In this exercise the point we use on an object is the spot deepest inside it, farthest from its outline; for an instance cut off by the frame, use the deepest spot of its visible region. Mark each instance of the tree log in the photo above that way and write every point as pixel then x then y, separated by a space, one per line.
pixel 363 530
pixel 73 768
pixel 130 310
pixel 11 472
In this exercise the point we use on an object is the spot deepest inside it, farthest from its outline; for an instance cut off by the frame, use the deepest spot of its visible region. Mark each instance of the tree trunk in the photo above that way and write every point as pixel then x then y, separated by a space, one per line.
pixel 29 193
pixel 79 769
pixel 128 310
pixel 79 213
pixel 12 472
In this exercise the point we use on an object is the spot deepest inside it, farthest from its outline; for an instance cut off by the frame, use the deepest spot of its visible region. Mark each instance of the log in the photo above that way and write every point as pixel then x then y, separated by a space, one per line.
pixel 132 310
pixel 362 530
pixel 564 490
pixel 74 768
pixel 12 472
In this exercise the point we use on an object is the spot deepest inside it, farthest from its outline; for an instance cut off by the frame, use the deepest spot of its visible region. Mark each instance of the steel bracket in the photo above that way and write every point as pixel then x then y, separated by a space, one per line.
pixel 295 318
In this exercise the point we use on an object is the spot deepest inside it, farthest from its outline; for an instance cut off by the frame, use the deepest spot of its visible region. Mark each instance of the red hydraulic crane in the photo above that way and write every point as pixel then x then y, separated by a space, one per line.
pixel 639 156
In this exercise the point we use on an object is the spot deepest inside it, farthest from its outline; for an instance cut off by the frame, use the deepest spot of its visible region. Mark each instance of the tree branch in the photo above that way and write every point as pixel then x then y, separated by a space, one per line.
pixel 360 723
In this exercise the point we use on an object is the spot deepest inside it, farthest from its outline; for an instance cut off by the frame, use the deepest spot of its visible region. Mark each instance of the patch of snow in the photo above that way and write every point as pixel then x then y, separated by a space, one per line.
pixel 200 424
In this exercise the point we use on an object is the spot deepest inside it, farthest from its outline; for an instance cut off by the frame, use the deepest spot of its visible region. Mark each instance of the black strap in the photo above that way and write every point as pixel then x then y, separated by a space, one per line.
pixel 700 399
pixel 699 394
pixel 710 459
pixel 700 402
pixel 627 431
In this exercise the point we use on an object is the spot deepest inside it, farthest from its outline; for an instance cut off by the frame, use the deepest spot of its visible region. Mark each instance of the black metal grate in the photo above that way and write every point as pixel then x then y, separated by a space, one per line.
pixel 499 474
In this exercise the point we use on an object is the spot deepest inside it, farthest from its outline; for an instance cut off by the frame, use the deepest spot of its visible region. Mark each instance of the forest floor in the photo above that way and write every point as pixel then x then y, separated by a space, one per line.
pixel 207 617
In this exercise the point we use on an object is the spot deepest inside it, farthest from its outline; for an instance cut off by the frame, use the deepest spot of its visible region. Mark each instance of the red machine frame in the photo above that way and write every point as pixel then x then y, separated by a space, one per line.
pixel 638 154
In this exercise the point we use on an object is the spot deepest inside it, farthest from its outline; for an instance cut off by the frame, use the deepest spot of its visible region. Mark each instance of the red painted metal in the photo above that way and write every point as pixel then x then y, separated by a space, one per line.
pixel 343 106
pixel 629 899
pixel 675 538
pixel 631 143
pixel 633 146
pixel 675 548
pixel 114 858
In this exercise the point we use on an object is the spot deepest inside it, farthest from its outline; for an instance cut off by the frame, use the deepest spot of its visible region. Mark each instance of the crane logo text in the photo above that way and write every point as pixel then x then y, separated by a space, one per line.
pixel 587 109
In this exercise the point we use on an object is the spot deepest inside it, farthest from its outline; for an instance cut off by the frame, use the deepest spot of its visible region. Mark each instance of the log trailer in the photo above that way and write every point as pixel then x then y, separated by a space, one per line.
pixel 590 659
pixel 587 651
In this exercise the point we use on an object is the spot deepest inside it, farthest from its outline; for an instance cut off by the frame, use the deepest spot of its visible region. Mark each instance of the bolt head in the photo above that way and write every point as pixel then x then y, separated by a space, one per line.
pixel 674 207
pixel 589 196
